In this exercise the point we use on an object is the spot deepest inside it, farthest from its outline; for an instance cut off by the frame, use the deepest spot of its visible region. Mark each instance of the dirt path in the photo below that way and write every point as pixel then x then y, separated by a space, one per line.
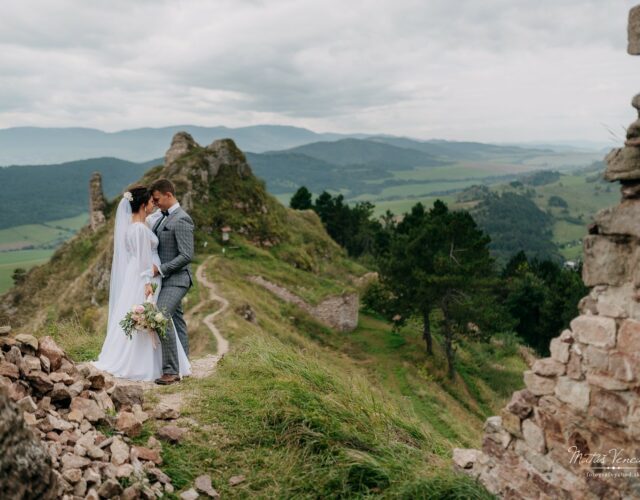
pixel 204 366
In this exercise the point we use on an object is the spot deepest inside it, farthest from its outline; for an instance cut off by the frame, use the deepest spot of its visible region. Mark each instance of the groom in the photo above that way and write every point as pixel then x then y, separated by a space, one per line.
pixel 175 249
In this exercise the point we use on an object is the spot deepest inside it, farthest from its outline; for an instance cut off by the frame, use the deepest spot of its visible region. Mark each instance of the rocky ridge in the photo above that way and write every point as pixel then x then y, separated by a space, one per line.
pixel 574 432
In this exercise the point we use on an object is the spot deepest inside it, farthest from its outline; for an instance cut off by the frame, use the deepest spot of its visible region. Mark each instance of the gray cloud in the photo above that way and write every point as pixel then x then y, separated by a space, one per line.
pixel 496 70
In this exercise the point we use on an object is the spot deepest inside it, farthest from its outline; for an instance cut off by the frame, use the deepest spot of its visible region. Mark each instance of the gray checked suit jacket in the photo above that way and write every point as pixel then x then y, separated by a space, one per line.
pixel 175 248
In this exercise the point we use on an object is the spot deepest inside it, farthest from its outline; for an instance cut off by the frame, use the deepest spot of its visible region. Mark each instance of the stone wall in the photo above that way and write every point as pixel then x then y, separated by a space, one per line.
pixel 574 432
pixel 339 312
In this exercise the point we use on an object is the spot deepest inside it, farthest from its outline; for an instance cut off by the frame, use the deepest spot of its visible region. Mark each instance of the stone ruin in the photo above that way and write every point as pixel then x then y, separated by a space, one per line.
pixel 574 432
pixel 97 202
pixel 338 311
pixel 67 430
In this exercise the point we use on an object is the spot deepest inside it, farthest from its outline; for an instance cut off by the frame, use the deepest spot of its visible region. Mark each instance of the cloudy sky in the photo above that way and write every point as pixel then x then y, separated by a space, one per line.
pixel 488 70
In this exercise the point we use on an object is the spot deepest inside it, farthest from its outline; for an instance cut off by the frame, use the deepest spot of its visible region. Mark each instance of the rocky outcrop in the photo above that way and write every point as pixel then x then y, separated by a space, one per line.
pixel 97 202
pixel 216 185
pixel 53 417
pixel 574 432
pixel 338 312
pixel 193 167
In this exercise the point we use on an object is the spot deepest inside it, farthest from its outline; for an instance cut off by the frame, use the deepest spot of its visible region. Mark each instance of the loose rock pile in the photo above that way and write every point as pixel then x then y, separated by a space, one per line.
pixel 574 432
pixel 85 423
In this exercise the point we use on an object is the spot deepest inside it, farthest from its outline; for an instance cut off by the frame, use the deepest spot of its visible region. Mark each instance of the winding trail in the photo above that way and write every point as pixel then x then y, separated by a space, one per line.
pixel 204 366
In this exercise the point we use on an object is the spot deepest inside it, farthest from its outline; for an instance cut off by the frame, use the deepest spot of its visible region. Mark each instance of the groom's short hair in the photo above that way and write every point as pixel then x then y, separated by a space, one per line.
pixel 164 186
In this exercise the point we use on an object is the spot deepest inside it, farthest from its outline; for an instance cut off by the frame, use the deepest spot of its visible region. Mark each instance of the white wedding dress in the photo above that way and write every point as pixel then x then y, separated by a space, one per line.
pixel 135 253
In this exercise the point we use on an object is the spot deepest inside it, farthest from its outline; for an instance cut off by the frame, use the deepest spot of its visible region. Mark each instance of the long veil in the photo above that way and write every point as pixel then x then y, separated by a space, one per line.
pixel 119 261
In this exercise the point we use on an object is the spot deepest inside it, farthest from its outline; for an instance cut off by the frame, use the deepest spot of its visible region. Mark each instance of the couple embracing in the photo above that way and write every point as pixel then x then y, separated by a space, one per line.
pixel 151 262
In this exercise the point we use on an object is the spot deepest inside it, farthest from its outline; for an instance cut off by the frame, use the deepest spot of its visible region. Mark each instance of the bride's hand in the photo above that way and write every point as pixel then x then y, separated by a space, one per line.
pixel 148 290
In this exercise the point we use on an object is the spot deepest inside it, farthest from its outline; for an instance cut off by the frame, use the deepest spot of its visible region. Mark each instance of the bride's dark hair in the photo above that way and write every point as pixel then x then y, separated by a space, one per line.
pixel 140 196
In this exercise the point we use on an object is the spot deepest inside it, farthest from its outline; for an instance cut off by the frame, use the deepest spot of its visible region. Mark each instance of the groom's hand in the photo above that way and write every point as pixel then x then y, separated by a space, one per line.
pixel 156 271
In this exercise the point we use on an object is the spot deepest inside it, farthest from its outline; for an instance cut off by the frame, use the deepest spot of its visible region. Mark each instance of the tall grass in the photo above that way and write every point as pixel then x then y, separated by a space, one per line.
pixel 300 428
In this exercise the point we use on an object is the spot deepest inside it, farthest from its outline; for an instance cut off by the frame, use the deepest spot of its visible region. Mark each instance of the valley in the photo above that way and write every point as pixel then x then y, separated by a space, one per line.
pixel 33 244
pixel 392 173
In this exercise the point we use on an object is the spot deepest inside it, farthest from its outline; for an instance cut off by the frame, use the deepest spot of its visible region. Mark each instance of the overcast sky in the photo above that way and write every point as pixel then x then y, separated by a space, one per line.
pixel 487 70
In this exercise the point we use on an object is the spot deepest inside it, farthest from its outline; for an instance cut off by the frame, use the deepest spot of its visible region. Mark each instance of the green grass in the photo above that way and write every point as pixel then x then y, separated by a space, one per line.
pixel 79 340
pixel 455 409
pixel 299 427
pixel 306 412
pixel 251 261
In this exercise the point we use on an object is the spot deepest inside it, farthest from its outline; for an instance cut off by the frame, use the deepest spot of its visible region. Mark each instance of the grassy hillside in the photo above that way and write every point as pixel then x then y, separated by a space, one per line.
pixel 32 194
pixel 302 411
pixel 306 412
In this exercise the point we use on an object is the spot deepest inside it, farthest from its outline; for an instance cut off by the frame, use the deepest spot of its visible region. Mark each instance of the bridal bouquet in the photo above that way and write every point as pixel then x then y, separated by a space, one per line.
pixel 145 317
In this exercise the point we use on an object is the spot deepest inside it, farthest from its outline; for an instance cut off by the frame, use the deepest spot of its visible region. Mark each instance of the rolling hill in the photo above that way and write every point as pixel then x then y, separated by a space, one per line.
pixel 365 152
pixel 300 409
pixel 32 194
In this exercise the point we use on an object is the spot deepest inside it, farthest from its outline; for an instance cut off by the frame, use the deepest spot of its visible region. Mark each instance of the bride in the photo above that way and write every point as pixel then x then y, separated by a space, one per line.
pixel 135 251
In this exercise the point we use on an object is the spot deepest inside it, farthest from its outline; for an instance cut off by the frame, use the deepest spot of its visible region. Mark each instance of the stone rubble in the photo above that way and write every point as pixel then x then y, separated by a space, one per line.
pixel 568 434
pixel 68 407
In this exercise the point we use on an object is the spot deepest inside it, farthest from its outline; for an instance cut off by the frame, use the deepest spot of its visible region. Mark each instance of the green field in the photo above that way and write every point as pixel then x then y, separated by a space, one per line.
pixel 19 237
pixel 25 259
pixel 33 244
pixel 584 200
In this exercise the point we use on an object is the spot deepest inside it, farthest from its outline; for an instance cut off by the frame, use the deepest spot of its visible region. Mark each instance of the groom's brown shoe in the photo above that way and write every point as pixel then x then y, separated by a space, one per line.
pixel 167 379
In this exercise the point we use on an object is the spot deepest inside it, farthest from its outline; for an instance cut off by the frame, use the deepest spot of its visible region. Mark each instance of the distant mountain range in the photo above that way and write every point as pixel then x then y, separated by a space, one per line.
pixel 40 146
pixel 33 193
pixel 32 145
pixel 353 166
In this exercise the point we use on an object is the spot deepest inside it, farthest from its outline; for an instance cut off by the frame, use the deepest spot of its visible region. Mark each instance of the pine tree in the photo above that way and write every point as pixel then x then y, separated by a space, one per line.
pixel 301 200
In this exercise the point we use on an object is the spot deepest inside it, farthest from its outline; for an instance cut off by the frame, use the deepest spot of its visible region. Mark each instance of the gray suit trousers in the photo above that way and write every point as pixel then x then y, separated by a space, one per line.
pixel 169 302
